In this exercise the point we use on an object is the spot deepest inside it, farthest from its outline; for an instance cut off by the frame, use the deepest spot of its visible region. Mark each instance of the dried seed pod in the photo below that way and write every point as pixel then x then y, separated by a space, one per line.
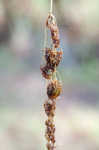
pixel 53 58
pixel 50 146
pixel 56 43
pixel 50 20
pixel 49 123
pixel 52 138
pixel 49 108
pixel 51 24
pixel 46 72
pixel 55 35
pixel 48 52
pixel 50 131
pixel 54 89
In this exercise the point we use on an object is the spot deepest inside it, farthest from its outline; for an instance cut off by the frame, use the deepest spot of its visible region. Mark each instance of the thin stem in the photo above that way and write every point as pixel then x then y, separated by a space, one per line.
pixel 51 9
pixel 45 37
pixel 45 44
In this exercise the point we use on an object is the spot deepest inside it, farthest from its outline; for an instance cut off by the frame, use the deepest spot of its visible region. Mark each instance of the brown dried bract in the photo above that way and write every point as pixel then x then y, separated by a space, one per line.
pixel 55 35
pixel 49 123
pixel 53 58
pixel 50 146
pixel 50 135
pixel 50 130
pixel 50 108
pixel 46 72
pixel 50 20
pixel 51 24
pixel 54 89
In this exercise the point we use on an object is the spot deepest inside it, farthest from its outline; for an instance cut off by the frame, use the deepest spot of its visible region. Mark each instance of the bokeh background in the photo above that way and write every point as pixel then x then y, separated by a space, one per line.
pixel 22 88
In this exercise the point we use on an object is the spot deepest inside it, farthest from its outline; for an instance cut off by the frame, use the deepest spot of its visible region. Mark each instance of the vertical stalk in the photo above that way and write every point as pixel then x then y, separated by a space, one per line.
pixel 51 8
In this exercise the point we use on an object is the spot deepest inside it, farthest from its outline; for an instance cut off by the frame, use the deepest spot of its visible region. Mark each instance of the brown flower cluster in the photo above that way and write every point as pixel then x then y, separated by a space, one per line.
pixel 52 58
pixel 50 146
pixel 54 89
pixel 50 107
pixel 46 72
pixel 51 24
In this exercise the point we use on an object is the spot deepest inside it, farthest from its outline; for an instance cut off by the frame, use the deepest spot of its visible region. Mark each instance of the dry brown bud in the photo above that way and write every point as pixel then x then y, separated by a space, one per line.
pixel 49 108
pixel 55 35
pixel 53 58
pixel 51 24
pixel 46 72
pixel 50 146
pixel 54 89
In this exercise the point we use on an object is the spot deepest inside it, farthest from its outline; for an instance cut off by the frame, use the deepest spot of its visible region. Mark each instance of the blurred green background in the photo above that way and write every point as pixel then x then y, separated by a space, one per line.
pixel 22 88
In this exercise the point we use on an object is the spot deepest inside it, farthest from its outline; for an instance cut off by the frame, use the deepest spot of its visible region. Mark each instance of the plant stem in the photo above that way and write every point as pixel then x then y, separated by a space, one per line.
pixel 51 8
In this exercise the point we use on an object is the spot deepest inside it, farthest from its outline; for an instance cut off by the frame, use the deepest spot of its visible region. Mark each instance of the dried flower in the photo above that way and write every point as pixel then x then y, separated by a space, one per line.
pixel 55 35
pixel 46 72
pixel 51 24
pixel 50 20
pixel 54 89
pixel 49 123
pixel 49 108
pixel 53 58
pixel 50 146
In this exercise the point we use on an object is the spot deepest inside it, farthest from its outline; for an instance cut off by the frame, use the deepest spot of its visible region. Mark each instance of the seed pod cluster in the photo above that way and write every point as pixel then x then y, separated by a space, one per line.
pixel 46 72
pixel 52 58
pixel 50 107
pixel 51 24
